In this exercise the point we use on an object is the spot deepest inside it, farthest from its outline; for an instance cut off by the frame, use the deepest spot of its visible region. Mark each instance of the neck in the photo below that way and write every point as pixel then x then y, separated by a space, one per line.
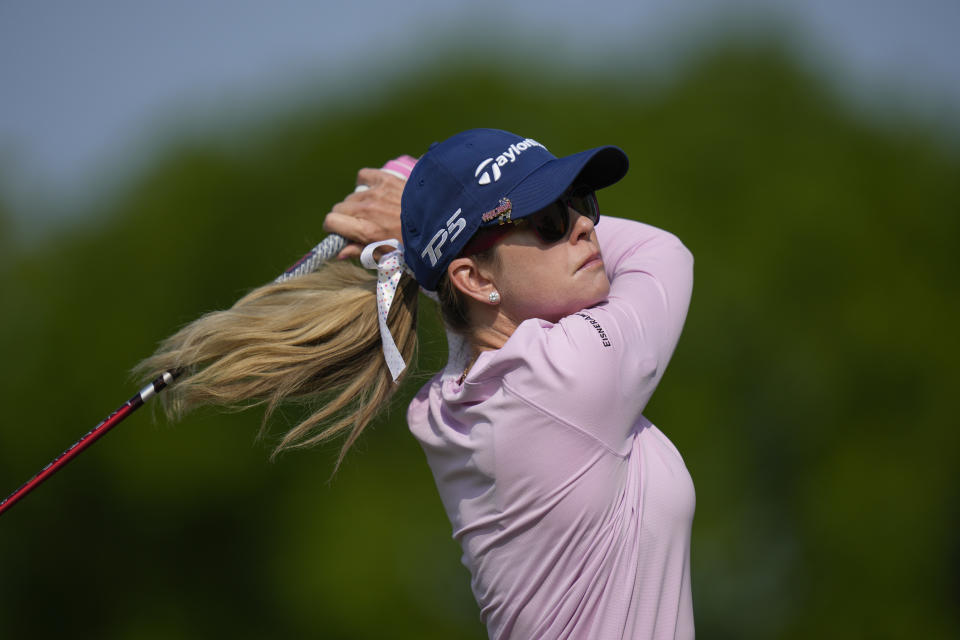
pixel 492 329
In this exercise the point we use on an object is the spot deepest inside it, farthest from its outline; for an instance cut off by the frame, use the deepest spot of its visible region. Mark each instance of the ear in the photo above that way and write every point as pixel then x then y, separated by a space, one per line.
pixel 471 280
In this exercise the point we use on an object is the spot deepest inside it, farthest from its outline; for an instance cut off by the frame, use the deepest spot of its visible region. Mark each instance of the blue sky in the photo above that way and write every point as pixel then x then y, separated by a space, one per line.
pixel 86 86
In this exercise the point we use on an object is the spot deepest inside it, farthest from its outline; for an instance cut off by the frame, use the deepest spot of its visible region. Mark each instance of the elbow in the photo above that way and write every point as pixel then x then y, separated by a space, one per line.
pixel 688 258
pixel 684 256
pixel 682 248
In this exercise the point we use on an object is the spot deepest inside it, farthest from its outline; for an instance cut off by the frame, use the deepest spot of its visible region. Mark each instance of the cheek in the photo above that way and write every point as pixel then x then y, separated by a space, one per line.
pixel 543 284
pixel 533 295
pixel 544 294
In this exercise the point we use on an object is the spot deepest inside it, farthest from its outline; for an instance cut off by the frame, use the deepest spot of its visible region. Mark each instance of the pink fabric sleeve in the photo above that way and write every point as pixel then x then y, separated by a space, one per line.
pixel 596 370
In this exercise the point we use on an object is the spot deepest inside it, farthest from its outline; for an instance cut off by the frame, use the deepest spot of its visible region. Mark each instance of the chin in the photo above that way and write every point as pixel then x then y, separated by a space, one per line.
pixel 598 294
pixel 583 296
pixel 583 302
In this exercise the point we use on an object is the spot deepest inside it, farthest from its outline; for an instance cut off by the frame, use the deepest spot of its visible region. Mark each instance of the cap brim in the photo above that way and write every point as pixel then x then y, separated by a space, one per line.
pixel 596 168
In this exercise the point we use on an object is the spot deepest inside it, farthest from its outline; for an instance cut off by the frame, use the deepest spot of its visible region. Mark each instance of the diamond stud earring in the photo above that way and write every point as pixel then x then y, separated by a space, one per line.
pixel 494 297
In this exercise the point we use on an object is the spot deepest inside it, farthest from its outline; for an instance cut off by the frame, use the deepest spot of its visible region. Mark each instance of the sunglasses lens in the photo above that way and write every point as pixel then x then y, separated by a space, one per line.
pixel 585 203
pixel 551 223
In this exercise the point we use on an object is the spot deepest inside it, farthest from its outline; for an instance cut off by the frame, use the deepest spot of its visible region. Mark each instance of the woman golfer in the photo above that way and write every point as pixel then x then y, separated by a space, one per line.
pixel 573 510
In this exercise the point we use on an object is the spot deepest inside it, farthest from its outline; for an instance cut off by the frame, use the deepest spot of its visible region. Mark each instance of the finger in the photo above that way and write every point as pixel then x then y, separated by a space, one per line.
pixel 353 228
pixel 375 207
pixel 341 222
pixel 378 178
pixel 344 213
pixel 350 251
pixel 385 194
pixel 363 193
pixel 369 177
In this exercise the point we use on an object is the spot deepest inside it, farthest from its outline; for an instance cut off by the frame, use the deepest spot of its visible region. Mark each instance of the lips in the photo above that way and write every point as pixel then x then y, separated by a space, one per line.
pixel 593 258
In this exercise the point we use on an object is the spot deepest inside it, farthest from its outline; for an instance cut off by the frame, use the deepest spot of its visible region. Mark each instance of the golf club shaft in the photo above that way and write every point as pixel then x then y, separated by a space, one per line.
pixel 89 438
pixel 327 249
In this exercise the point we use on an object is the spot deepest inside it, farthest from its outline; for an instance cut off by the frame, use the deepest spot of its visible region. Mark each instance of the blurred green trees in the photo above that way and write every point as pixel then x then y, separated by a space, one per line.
pixel 810 395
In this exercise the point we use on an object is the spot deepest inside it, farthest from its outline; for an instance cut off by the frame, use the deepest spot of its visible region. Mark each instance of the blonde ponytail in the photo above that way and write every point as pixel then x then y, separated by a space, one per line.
pixel 314 338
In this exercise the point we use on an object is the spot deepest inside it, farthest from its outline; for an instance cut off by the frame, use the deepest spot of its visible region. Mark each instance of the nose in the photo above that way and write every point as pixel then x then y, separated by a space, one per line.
pixel 582 226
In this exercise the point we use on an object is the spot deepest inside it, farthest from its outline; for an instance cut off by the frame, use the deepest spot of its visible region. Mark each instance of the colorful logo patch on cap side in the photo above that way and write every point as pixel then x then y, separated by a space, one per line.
pixel 502 211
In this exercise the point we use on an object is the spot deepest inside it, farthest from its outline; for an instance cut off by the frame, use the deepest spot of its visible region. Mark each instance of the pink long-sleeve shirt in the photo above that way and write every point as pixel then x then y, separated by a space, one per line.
pixel 573 510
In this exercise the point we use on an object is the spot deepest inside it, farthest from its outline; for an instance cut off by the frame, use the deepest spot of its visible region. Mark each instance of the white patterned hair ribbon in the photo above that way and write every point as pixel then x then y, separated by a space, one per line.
pixel 389 269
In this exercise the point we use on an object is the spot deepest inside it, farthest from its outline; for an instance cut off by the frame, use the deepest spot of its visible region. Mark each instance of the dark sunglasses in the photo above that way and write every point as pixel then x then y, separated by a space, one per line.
pixel 549 224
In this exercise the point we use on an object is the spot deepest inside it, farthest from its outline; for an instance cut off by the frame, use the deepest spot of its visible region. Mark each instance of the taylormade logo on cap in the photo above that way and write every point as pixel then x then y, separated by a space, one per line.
pixel 505 157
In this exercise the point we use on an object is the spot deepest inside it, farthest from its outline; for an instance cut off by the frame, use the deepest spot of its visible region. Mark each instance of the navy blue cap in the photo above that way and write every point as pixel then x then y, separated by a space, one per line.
pixel 482 177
